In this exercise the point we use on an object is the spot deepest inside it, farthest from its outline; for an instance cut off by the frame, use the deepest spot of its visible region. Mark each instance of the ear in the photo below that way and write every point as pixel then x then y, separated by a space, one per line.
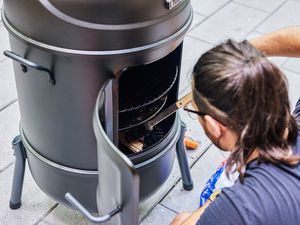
pixel 213 126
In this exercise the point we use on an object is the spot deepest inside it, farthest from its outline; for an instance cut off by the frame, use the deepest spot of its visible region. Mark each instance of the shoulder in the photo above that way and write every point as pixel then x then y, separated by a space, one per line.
pixel 238 204
pixel 227 203
pixel 258 199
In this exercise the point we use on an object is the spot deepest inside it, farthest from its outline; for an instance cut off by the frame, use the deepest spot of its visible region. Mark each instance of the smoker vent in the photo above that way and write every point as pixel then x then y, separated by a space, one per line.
pixel 142 86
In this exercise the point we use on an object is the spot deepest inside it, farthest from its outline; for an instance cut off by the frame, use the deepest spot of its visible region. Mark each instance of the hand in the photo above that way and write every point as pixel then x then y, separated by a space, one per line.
pixel 180 218
pixel 190 218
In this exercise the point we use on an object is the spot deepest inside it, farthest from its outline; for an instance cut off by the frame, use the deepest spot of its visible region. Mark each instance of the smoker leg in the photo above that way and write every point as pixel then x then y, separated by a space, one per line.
pixel 183 161
pixel 15 198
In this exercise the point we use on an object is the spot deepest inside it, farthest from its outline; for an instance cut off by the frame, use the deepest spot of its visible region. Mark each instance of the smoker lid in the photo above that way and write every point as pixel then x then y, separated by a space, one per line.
pixel 95 24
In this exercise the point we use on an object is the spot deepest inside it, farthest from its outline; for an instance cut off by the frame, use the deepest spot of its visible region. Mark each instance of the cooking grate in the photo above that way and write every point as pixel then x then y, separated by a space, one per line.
pixel 133 118
pixel 142 86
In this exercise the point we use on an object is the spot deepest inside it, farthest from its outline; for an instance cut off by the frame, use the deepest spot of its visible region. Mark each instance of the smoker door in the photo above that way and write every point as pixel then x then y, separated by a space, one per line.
pixel 118 178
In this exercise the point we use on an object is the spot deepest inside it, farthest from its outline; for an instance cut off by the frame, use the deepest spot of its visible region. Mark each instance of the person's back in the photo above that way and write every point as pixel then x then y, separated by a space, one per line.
pixel 269 195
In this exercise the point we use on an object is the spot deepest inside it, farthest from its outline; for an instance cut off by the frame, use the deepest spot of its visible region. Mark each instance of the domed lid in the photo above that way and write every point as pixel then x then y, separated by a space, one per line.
pixel 97 24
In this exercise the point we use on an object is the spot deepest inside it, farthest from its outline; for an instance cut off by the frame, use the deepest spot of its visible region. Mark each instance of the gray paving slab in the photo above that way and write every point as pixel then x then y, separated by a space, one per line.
pixel 8 91
pixel 1 4
pixel 160 215
pixel 9 118
pixel 287 15
pixel 292 64
pixel 266 5
pixel 253 34
pixel 279 61
pixel 208 7
pixel 192 50
pixel 197 18
pixel 180 200
pixel 232 21
pixel 35 204
pixel 294 84
pixel 63 215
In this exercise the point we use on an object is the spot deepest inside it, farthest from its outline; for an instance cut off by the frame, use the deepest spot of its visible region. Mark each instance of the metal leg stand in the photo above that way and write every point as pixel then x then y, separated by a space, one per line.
pixel 20 154
pixel 183 161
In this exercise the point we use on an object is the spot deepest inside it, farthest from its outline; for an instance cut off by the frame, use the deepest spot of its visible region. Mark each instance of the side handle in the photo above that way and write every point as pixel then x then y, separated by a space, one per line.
pixel 27 63
pixel 95 219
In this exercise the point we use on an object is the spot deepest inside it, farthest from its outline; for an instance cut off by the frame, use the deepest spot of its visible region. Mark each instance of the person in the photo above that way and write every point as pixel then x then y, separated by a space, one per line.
pixel 241 100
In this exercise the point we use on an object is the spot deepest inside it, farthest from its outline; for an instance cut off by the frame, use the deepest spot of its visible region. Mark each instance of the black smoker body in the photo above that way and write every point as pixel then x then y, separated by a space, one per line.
pixel 64 53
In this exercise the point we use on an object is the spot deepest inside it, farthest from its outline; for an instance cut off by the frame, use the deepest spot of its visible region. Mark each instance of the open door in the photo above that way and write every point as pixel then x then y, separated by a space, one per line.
pixel 118 178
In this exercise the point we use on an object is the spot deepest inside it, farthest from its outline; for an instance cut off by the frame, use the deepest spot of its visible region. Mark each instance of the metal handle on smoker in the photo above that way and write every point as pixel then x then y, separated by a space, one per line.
pixel 95 219
pixel 26 63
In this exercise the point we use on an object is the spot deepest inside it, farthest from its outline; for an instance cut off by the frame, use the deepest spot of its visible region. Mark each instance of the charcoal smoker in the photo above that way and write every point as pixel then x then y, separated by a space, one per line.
pixel 89 75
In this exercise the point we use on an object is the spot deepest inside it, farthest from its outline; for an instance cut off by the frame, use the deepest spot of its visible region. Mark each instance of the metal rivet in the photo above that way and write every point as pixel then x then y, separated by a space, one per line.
pixel 24 68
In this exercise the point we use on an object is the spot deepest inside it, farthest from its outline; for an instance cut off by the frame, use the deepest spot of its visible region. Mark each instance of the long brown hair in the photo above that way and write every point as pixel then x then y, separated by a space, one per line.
pixel 237 85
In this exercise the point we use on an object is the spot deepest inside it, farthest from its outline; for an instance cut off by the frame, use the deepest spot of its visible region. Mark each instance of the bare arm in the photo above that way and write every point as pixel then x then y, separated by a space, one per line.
pixel 284 42
pixel 190 218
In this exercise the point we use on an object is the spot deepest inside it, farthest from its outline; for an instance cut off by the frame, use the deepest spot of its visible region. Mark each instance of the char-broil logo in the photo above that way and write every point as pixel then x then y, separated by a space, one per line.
pixel 170 4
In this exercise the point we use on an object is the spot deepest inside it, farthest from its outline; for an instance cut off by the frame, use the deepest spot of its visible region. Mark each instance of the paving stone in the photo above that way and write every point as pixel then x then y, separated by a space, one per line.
pixel 4 41
pixel 292 64
pixel 197 18
pixel 287 15
pixel 159 215
pixel 294 84
pixel 253 35
pixel 192 50
pixel 233 21
pixel 266 5
pixel 35 204
pixel 1 4
pixel 180 200
pixel 8 91
pixel 62 215
pixel 208 7
pixel 43 223
pixel 9 128
pixel 279 61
